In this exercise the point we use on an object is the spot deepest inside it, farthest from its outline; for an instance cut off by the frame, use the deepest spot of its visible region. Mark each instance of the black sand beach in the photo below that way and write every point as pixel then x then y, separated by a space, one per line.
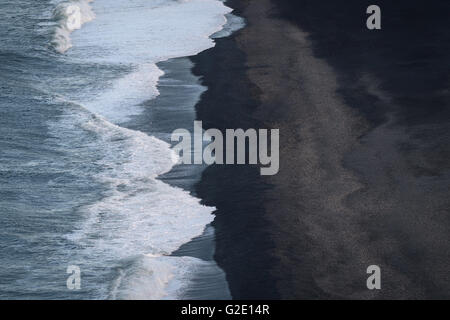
pixel 364 149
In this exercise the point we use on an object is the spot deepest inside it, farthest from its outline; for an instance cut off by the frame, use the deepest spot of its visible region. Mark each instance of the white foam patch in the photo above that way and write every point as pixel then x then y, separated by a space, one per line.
pixel 70 16
pixel 138 213
pixel 141 33
pixel 139 216
pixel 149 31
pixel 157 277
pixel 123 99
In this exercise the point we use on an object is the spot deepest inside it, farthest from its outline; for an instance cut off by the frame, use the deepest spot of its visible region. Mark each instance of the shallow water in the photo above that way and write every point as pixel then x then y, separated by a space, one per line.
pixel 77 177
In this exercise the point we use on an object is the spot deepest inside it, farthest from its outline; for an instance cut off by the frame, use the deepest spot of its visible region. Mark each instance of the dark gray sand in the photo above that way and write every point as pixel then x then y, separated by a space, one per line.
pixel 362 181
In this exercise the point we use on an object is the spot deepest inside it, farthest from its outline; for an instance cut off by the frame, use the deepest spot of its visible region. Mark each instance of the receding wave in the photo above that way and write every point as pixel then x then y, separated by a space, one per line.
pixel 139 219
pixel 127 236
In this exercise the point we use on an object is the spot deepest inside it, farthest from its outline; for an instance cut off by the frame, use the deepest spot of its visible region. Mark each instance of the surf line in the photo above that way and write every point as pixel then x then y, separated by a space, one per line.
pixel 236 142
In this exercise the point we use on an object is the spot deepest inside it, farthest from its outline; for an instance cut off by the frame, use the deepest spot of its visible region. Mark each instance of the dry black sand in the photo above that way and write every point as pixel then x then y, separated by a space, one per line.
pixel 364 149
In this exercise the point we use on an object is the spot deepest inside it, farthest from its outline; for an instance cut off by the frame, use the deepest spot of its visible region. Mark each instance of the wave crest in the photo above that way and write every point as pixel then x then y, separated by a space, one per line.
pixel 70 16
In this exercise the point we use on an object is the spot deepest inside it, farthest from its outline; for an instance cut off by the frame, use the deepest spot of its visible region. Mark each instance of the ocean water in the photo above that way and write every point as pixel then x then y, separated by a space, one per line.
pixel 78 181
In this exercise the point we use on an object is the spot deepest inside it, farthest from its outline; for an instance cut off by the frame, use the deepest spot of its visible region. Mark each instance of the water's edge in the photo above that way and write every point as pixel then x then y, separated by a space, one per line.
pixel 180 91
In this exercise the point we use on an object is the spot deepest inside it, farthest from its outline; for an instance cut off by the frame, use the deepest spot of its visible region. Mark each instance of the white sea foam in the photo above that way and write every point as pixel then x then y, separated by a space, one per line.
pixel 156 277
pixel 142 33
pixel 123 99
pixel 70 16
pixel 148 31
pixel 139 216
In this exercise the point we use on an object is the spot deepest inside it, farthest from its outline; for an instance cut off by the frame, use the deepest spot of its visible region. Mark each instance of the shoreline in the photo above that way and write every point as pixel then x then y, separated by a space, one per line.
pixel 174 108
pixel 179 92
pixel 235 190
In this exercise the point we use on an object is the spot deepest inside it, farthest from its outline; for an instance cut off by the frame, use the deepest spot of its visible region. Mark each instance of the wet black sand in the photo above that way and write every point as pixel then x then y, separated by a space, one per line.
pixel 365 148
